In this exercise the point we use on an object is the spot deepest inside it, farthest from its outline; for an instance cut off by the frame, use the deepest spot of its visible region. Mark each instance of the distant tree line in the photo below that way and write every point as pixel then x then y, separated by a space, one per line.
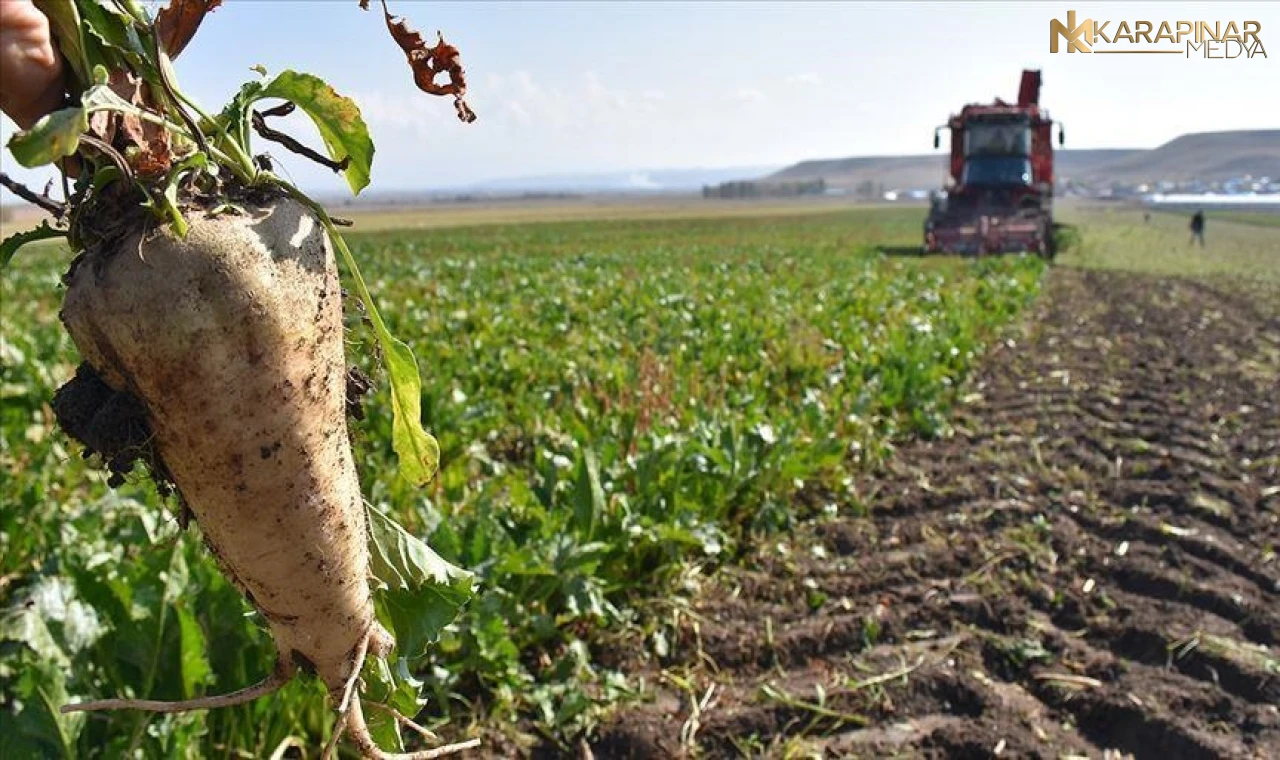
pixel 868 189
pixel 752 189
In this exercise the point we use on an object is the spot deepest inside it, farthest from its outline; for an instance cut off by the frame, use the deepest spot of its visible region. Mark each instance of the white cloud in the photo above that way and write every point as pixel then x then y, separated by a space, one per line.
pixel 519 113
pixel 382 110
pixel 807 78
pixel 750 95
pixel 600 96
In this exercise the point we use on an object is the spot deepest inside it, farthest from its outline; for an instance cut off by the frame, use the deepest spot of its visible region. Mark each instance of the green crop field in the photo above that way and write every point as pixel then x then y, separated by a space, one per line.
pixel 1242 246
pixel 1259 218
pixel 621 407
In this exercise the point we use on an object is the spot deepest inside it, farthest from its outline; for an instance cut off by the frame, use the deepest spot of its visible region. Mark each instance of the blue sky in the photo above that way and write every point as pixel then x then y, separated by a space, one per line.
pixel 603 86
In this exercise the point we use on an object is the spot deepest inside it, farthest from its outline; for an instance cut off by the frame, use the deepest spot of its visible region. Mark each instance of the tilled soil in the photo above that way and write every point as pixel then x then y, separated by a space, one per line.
pixel 1087 567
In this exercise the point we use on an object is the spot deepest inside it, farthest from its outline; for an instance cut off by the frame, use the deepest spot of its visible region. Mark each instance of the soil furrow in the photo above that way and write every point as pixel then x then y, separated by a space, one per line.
pixel 1097 542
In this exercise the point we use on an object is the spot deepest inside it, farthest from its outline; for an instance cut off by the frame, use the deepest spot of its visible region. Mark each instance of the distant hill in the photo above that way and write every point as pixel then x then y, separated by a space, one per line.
pixel 848 173
pixel 1208 156
pixel 638 180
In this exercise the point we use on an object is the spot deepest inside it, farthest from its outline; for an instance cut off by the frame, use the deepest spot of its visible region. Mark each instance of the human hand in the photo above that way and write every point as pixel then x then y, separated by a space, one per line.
pixel 30 66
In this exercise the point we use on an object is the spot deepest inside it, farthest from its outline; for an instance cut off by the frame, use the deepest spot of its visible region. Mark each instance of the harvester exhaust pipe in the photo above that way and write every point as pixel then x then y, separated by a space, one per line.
pixel 1029 91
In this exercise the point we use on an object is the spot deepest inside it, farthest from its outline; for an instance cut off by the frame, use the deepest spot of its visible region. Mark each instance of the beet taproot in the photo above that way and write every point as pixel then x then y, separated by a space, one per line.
pixel 232 340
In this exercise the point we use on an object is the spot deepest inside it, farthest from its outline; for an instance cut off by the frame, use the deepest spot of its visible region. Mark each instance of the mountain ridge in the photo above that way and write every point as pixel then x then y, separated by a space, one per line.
pixel 1204 156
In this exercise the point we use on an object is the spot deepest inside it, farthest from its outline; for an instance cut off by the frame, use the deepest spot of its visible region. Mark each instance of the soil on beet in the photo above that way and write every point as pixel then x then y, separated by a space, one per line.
pixel 112 425
pixel 1088 566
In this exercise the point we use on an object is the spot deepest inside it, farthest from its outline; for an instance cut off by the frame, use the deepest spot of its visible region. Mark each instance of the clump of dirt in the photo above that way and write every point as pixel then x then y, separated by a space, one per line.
pixel 1087 567
pixel 359 385
pixel 102 220
pixel 112 425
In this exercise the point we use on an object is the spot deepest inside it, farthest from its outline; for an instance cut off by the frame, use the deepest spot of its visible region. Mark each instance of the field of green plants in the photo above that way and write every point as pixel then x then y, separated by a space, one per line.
pixel 621 407
pixel 1239 245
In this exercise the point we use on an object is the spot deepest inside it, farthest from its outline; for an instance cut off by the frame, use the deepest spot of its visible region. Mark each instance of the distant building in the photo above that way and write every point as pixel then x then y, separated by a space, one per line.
pixel 1238 201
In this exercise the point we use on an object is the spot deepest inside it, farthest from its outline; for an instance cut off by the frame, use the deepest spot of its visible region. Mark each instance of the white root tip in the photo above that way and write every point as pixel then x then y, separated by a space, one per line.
pixel 264 687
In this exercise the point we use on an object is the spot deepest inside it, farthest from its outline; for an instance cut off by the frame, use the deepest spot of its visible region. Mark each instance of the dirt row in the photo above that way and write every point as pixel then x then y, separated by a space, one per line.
pixel 1086 567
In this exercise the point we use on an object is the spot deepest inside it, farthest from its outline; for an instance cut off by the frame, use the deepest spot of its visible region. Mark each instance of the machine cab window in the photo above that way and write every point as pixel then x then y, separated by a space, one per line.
pixel 986 139
pixel 997 171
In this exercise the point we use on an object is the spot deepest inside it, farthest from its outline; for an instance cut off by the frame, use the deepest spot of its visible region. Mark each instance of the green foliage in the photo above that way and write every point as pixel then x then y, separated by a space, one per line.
pixel 54 137
pixel 1242 247
pixel 1066 238
pixel 10 245
pixel 417 450
pixel 68 29
pixel 619 405
pixel 421 593
pixel 336 117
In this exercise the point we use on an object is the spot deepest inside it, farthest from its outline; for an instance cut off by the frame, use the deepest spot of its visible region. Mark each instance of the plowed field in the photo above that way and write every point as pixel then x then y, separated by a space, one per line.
pixel 1087 566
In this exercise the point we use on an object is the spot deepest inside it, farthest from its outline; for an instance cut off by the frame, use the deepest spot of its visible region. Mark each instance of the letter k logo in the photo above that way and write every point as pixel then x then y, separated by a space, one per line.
pixel 1077 36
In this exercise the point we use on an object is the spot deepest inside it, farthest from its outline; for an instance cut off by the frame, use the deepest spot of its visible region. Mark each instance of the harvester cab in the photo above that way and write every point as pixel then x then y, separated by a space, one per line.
pixel 999 194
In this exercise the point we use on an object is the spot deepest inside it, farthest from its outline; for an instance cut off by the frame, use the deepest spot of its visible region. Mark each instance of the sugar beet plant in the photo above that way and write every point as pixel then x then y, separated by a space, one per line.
pixel 204 299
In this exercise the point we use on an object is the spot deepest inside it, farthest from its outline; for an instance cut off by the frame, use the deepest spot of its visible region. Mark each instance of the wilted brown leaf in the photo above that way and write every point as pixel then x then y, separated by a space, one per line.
pixel 177 23
pixel 146 146
pixel 428 62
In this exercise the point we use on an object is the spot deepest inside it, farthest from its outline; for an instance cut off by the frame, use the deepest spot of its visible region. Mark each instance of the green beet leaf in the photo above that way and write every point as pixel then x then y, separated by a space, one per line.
pixel 338 118
pixel 418 452
pixel 54 137
pixel 196 670
pixel 421 593
pixel 10 245
pixel 588 495
pixel 397 688
pixel 68 30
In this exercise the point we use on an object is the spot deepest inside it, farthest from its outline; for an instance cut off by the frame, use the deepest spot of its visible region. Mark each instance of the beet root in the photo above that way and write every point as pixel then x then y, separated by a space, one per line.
pixel 232 340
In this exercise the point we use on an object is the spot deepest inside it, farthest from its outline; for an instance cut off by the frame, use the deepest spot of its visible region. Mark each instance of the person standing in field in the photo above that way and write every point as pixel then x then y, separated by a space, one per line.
pixel 1197 228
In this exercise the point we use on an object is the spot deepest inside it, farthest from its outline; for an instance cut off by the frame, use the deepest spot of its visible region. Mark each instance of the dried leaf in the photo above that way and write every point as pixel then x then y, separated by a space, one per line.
pixel 177 23
pixel 146 145
pixel 103 125
pixel 428 62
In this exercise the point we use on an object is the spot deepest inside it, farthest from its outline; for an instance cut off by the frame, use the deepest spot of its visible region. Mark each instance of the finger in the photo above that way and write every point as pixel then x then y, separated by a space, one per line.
pixel 30 66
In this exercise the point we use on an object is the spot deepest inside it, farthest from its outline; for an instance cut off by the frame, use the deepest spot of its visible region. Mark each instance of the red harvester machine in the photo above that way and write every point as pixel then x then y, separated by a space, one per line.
pixel 1000 195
